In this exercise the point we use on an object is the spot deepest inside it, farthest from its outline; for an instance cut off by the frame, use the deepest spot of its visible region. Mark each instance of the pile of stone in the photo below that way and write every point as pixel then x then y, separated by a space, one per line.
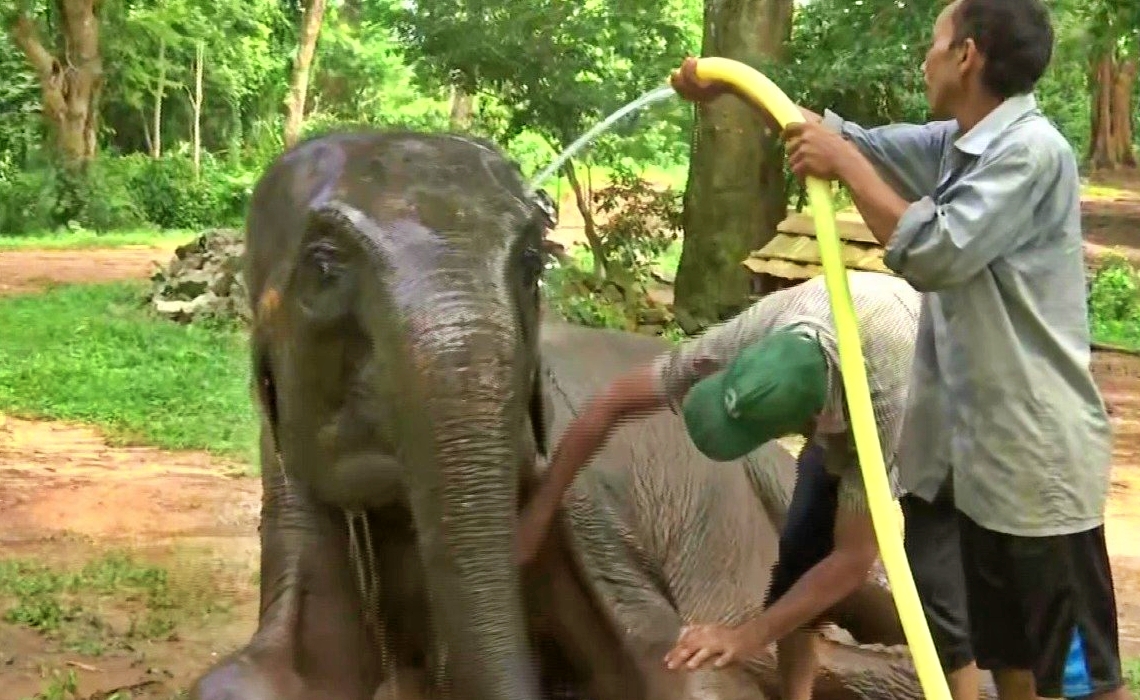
pixel 203 280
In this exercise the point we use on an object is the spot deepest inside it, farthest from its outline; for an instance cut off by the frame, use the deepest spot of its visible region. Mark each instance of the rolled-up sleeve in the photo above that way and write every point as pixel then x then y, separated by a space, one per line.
pixel 940 244
pixel 906 155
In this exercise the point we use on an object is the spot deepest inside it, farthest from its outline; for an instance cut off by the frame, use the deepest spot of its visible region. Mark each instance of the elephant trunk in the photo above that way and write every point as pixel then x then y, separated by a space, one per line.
pixel 468 438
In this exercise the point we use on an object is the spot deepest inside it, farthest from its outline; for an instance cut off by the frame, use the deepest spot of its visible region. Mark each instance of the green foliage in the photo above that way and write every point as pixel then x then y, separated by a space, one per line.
pixel 860 59
pixel 95 354
pixel 1132 674
pixel 641 226
pixel 555 67
pixel 640 222
pixel 540 72
pixel 124 193
pixel 1114 302
pixel 171 198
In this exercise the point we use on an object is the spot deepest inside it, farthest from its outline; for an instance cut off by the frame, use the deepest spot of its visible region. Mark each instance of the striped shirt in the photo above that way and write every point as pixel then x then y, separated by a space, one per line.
pixel 887 311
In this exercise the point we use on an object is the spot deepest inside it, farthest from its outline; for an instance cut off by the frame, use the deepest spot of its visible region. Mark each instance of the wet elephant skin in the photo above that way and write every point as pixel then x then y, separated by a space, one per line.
pixel 396 357
pixel 394 280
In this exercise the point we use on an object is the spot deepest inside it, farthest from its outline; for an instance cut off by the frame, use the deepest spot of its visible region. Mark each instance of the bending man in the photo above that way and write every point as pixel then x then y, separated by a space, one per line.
pixel 771 371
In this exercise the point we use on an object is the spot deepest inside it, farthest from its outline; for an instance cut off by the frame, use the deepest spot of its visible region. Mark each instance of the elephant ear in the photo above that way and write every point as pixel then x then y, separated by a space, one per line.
pixel 265 389
pixel 541 411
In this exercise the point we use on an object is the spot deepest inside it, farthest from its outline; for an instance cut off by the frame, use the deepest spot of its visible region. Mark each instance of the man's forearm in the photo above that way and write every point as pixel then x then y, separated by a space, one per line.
pixel 824 585
pixel 880 206
pixel 631 396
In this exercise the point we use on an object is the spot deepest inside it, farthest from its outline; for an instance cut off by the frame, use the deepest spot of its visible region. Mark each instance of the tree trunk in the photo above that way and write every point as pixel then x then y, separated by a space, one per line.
pixel 583 201
pixel 71 83
pixel 735 195
pixel 299 87
pixel 461 107
pixel 1110 143
pixel 159 90
pixel 196 105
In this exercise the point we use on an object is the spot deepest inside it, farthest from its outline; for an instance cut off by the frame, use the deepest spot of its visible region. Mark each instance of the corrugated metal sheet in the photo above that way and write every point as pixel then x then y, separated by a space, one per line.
pixel 782 268
pixel 803 251
pixel 794 252
pixel 849 226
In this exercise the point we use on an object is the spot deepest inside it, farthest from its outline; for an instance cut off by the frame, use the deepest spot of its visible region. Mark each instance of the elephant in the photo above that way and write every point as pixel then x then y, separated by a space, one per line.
pixel 409 387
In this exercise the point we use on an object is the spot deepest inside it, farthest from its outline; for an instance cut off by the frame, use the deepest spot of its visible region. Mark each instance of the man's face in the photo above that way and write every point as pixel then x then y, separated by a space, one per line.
pixel 946 67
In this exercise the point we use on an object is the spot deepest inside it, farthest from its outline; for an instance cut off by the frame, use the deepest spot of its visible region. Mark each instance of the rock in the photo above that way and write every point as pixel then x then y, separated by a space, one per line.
pixel 655 316
pixel 203 280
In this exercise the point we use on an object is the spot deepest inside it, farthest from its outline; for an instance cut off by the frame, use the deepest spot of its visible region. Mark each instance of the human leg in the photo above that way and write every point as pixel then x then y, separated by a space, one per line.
pixel 1043 612
pixel 807 538
pixel 933 549
pixel 998 629
pixel 1080 651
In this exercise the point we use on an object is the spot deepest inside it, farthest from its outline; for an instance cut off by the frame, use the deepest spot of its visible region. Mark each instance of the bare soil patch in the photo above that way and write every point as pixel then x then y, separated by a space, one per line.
pixel 182 525
pixel 31 270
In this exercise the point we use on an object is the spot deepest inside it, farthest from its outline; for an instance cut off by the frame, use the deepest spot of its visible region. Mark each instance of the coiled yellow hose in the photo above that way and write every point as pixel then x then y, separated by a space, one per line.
pixel 885 513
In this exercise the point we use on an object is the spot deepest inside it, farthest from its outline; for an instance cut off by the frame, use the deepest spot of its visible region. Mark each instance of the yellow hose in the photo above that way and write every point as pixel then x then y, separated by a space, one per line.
pixel 885 513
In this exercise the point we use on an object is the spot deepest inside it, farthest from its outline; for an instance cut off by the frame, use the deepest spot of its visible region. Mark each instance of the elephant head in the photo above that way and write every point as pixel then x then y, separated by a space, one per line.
pixel 394 278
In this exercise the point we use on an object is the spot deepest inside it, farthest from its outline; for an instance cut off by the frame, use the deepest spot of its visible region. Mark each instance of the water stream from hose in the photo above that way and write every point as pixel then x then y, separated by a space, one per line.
pixel 655 95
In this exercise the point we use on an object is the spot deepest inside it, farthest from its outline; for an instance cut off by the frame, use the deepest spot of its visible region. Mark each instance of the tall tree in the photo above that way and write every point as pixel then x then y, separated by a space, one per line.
pixel 735 194
pixel 1114 63
pixel 590 58
pixel 302 65
pixel 69 66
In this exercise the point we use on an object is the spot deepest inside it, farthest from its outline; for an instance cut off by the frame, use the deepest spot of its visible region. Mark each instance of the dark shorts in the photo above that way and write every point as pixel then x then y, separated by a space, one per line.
pixel 1044 604
pixel 934 552
pixel 809 531
pixel 932 545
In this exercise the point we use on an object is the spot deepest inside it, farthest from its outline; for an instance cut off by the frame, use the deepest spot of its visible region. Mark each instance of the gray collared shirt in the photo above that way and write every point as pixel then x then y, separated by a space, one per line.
pixel 1001 393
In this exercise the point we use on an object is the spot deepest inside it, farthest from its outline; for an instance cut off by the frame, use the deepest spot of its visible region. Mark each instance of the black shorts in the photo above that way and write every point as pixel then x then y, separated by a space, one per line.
pixel 809 531
pixel 1044 604
pixel 932 548
pixel 934 552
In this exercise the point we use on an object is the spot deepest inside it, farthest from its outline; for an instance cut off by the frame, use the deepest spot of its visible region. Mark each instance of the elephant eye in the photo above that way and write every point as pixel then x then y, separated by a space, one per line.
pixel 325 258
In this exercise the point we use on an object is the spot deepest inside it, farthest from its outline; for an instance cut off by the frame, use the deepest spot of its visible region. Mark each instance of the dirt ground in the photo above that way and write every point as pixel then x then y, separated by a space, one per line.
pixel 25 271
pixel 82 526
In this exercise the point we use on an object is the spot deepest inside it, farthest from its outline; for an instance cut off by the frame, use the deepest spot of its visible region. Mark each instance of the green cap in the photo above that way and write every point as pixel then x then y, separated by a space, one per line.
pixel 773 388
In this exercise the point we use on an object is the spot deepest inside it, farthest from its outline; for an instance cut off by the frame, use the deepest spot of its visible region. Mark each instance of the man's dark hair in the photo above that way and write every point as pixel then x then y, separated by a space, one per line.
pixel 1015 36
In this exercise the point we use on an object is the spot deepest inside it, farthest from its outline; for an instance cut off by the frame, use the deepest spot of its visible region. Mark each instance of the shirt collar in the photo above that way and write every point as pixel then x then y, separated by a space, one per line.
pixel 975 141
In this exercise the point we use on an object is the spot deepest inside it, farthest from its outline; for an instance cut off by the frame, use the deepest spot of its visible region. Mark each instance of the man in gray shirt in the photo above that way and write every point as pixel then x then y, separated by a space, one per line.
pixel 982 212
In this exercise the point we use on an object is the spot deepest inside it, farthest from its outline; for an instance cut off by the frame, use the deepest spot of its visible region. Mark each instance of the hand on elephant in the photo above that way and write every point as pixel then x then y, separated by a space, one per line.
pixel 697 644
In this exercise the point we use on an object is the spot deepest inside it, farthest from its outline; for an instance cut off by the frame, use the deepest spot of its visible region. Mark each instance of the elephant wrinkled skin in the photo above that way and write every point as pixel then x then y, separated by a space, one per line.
pixel 405 397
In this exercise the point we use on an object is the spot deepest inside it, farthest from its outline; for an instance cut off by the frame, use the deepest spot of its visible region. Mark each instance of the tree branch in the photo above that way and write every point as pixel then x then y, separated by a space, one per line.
pixel 27 38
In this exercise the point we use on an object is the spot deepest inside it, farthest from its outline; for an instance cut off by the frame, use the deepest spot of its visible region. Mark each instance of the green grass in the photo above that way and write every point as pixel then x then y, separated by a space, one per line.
pixel 95 354
pixel 1132 675
pixel 1121 334
pixel 87 240
pixel 108 602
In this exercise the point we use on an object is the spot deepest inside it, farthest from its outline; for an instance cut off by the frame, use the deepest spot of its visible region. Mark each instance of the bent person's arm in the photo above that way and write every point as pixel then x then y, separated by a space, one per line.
pixel 838 574
pixel 638 393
